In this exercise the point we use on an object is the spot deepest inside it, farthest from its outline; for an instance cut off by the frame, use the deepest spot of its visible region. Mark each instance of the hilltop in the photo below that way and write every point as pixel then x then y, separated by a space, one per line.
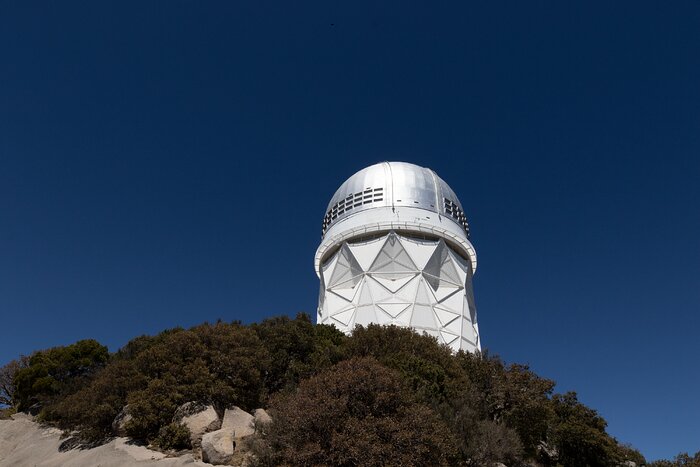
pixel 384 396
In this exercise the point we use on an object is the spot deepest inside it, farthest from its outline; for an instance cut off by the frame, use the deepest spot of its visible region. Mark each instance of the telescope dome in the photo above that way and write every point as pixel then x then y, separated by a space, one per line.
pixel 394 184
pixel 395 250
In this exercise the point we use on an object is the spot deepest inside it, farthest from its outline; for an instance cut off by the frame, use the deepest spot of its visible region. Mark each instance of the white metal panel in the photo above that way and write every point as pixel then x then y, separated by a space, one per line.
pixel 419 250
pixel 366 252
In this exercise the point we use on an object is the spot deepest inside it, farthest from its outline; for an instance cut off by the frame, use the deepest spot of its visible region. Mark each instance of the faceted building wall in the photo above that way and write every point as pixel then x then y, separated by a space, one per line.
pixel 398 279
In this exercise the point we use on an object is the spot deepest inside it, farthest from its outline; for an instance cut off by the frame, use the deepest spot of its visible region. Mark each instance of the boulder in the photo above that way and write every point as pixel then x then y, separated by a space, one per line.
pixel 238 422
pixel 548 452
pixel 218 447
pixel 198 418
pixel 120 421
pixel 261 418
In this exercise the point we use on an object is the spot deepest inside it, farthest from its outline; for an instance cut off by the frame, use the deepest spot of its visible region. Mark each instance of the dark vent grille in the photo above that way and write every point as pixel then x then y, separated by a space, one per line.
pixel 453 210
pixel 362 198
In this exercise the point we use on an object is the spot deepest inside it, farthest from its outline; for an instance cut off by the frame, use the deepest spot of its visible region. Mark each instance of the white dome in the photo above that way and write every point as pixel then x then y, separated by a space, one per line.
pixel 394 184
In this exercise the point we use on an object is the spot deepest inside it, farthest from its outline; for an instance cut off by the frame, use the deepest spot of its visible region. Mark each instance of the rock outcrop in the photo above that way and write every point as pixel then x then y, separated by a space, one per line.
pixel 547 452
pixel 120 421
pixel 198 418
pixel 238 422
pixel 218 447
pixel 230 445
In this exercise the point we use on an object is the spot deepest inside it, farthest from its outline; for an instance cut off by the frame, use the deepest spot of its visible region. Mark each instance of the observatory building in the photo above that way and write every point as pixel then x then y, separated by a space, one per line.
pixel 395 250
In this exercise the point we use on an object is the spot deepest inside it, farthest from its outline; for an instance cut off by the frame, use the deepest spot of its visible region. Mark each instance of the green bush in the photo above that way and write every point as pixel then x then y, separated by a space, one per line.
pixel 56 372
pixel 297 349
pixel 93 408
pixel 512 395
pixel 428 368
pixel 173 436
pixel 221 364
pixel 579 433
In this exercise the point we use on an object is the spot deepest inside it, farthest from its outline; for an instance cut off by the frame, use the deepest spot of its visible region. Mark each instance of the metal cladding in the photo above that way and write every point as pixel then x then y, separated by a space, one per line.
pixel 395 250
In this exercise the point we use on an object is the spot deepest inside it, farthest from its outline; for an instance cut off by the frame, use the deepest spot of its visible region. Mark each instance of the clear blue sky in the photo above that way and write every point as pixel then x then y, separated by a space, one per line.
pixel 167 163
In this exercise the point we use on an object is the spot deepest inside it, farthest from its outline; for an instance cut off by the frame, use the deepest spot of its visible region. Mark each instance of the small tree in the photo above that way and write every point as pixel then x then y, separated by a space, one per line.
pixel 58 371
pixel 579 433
pixel 8 384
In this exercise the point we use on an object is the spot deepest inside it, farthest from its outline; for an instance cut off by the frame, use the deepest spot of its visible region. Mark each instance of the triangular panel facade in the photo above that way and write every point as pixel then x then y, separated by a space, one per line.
pixel 417 283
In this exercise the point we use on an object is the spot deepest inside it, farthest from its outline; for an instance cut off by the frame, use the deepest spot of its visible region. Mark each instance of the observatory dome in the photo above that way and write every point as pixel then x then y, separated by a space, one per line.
pixel 395 250
pixel 392 184
pixel 395 196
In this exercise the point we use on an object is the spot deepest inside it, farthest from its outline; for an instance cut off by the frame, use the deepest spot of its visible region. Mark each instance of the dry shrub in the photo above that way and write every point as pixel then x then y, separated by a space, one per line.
pixel 356 413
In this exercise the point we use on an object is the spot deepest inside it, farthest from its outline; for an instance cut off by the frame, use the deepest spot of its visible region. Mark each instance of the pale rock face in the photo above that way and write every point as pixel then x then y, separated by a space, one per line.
pixel 218 447
pixel 230 444
pixel 120 421
pixel 198 418
pixel 262 418
pixel 238 422
pixel 547 451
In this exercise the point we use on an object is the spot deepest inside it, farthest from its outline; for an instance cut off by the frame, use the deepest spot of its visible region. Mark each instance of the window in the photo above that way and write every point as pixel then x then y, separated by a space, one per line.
pixel 355 200
pixel 452 209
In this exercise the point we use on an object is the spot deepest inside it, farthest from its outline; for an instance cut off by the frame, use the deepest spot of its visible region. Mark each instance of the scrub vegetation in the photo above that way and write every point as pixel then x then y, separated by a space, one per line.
pixel 384 396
